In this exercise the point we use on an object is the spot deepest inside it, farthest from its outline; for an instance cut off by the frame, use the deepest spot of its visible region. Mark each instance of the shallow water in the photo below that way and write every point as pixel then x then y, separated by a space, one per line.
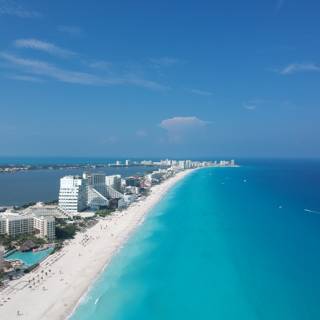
pixel 233 243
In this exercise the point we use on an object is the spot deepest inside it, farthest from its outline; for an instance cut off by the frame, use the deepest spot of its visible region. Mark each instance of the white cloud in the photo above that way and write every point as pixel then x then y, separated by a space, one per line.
pixel 201 92
pixel 43 46
pixel 182 122
pixel 12 8
pixel 71 30
pixel 178 127
pixel 300 67
pixel 249 106
pixel 41 68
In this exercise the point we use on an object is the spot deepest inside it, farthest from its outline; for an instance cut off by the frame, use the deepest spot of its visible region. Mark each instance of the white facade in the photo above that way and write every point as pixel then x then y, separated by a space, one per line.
pixel 113 193
pixel 3 224
pixel 96 200
pixel 114 182
pixel 1 258
pixel 14 224
pixel 46 227
pixel 188 164
pixel 182 164
pixel 73 194
pixel 97 181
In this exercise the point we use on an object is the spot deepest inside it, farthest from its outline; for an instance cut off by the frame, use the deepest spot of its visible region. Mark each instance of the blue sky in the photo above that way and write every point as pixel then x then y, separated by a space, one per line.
pixel 160 78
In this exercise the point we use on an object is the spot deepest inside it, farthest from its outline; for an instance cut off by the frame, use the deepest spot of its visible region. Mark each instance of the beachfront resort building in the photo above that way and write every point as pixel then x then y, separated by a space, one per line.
pixel 14 224
pixel 96 200
pixel 3 225
pixel 114 182
pixel 1 258
pixel 45 225
pixel 96 181
pixel 96 190
pixel 78 193
pixel 73 194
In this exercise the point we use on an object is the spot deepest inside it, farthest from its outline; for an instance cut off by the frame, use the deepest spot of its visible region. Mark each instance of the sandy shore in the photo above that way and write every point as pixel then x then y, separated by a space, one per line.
pixel 54 289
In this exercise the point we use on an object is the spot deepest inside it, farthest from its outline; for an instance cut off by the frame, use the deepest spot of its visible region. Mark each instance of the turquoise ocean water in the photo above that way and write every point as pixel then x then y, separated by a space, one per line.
pixel 233 243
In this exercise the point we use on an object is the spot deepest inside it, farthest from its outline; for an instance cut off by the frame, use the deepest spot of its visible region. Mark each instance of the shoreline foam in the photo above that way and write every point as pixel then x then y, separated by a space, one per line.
pixel 75 269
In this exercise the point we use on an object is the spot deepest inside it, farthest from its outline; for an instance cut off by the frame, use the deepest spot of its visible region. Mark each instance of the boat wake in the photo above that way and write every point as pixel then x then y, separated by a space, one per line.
pixel 311 211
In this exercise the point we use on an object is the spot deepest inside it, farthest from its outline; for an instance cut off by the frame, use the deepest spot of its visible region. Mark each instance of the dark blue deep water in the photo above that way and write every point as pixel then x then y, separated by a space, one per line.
pixel 233 243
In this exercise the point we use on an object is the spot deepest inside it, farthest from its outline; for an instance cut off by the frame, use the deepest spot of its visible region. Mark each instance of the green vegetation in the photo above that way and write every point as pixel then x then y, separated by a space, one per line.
pixel 104 212
pixel 66 231
pixel 6 241
pixel 11 243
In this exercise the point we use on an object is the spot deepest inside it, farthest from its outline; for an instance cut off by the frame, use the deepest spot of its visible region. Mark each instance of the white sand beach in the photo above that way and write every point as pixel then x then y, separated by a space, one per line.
pixel 53 290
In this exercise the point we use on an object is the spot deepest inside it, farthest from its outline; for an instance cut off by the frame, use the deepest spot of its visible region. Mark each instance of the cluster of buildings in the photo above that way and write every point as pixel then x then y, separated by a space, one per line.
pixel 95 191
pixel 188 164
pixel 184 164
pixel 38 220
pixel 12 169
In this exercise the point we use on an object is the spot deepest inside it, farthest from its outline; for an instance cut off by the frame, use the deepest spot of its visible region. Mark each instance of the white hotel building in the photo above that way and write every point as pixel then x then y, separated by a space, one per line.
pixel 73 194
pixel 14 224
pixel 46 227
pixel 113 182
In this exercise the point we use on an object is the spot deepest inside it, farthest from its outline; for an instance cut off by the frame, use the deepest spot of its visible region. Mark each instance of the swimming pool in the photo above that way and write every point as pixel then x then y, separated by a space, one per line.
pixel 30 258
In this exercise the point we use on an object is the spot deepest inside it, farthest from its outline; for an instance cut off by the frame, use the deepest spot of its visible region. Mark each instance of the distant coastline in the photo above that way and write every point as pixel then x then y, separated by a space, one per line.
pixel 14 168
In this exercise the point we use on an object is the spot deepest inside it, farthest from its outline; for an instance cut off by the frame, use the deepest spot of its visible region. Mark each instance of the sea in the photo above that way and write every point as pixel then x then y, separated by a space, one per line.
pixel 224 243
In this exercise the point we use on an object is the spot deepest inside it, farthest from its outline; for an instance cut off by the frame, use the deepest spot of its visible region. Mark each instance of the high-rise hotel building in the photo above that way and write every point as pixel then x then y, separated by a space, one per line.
pixel 97 181
pixel 73 194
pixel 45 226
